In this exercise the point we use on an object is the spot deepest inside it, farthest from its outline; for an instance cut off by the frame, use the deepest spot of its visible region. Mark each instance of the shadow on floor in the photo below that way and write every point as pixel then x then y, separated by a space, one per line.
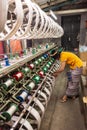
pixel 62 116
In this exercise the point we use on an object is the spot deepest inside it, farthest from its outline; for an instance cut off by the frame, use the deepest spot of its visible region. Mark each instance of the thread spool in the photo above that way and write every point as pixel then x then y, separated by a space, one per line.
pixel 6 60
pixel 25 70
pixel 47 46
pixel 41 74
pixel 25 52
pixel 33 50
pixel 22 96
pixel 45 56
pixel 36 63
pixel 40 60
pixel 47 65
pixel 18 76
pixel 36 79
pixel 8 83
pixel 31 66
pixel 52 59
pixel 8 114
pixel 21 54
pixel 45 69
pixel 31 86
pixel 39 46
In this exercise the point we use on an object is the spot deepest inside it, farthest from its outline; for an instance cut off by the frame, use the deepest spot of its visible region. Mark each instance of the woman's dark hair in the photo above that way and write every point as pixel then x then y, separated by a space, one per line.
pixel 55 54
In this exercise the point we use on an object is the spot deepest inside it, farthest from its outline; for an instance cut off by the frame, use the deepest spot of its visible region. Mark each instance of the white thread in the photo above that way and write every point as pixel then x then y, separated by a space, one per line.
pixel 12 109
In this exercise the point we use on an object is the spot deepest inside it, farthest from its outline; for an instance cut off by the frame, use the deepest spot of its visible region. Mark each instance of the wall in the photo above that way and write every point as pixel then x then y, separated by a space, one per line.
pixel 83 30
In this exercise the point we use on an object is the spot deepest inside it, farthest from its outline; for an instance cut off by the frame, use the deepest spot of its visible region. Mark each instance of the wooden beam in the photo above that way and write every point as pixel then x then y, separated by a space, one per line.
pixel 74 11
pixel 52 3
pixel 35 2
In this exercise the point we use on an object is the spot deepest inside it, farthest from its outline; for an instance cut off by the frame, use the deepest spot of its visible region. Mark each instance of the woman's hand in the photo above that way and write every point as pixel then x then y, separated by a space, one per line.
pixel 55 74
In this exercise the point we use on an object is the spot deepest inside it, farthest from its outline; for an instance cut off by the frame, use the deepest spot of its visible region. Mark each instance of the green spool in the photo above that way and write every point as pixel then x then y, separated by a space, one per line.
pixel 40 60
pixel 36 63
pixel 8 83
pixel 47 65
pixel 30 86
pixel 39 46
pixel 26 70
pixel 45 69
pixel 36 79
pixel 25 51
pixel 8 114
pixel 33 50
pixel 47 46
pixel 52 59
pixel 50 51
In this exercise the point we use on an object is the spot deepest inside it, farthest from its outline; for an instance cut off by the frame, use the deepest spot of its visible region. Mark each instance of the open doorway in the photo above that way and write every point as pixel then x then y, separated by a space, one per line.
pixel 71 26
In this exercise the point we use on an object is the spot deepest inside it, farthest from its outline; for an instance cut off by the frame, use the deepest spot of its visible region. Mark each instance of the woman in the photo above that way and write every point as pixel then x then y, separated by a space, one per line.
pixel 75 65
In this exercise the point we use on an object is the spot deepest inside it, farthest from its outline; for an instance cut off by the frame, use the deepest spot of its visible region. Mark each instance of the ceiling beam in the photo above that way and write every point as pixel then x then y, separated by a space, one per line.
pixel 35 2
pixel 51 3
pixel 69 4
pixel 77 5
pixel 74 11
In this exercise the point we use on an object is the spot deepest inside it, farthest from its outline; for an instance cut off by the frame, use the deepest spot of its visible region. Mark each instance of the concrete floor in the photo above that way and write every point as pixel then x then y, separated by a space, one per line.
pixel 62 116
